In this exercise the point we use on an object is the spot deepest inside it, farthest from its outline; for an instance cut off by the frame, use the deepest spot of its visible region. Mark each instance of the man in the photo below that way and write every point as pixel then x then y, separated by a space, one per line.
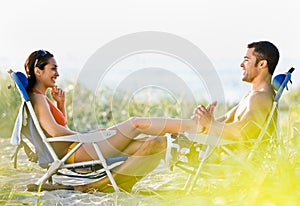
pixel 247 118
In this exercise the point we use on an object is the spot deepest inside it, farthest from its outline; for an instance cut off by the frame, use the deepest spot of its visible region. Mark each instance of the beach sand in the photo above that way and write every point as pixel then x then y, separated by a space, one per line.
pixel 13 185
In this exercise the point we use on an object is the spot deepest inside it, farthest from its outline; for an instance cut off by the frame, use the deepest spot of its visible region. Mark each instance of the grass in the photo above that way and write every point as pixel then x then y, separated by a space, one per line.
pixel 270 179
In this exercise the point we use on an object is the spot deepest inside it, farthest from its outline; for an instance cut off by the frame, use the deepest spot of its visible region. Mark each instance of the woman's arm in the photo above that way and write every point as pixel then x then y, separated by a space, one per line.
pixel 46 118
pixel 59 96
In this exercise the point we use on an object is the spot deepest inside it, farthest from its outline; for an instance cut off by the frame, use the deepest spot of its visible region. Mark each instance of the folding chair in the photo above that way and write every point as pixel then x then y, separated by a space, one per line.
pixel 210 142
pixel 27 125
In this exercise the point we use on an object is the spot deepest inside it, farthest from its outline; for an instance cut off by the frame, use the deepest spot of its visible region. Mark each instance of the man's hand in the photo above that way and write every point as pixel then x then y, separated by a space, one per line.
pixel 211 107
pixel 204 115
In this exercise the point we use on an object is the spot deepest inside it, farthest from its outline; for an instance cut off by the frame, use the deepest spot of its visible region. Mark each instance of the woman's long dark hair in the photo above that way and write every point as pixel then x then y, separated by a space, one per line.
pixel 36 59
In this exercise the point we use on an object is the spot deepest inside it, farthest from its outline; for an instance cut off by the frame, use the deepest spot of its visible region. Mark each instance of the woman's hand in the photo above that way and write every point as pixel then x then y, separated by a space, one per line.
pixel 58 95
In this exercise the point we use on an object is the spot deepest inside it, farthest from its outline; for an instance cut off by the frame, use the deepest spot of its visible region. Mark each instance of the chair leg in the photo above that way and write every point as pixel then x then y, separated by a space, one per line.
pixel 192 179
pixel 188 182
pixel 53 168
pixel 105 166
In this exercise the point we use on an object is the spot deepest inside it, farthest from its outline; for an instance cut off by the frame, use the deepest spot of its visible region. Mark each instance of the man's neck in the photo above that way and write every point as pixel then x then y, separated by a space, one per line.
pixel 261 83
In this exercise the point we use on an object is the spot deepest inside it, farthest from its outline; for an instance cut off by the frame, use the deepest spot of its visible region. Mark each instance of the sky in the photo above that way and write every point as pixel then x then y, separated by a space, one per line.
pixel 74 30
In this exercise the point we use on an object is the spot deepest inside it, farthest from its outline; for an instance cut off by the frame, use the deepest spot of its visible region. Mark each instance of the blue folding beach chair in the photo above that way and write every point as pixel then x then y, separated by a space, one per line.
pixel 205 144
pixel 27 126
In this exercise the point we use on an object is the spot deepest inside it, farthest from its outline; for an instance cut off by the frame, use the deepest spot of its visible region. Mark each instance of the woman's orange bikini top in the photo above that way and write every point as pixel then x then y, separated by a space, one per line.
pixel 57 114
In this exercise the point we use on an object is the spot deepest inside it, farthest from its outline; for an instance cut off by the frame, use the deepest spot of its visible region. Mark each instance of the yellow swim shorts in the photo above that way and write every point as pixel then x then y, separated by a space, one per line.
pixel 72 157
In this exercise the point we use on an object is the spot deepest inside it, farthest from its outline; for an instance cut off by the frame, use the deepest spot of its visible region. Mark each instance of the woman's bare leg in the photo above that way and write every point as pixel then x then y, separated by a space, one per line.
pixel 128 130
pixel 145 156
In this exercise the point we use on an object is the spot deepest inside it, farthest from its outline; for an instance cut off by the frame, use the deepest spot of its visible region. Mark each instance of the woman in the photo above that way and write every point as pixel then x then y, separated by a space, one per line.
pixel 42 72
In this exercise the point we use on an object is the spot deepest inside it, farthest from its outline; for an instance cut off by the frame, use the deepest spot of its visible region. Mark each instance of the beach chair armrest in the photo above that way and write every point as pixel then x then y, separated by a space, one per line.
pixel 84 137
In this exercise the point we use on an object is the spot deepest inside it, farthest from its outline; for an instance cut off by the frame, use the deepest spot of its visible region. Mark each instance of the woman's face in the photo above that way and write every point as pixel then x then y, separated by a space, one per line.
pixel 49 74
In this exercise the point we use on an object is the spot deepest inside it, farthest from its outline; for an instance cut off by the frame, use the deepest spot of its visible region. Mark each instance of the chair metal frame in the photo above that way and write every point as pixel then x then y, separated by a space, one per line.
pixel 81 138
pixel 210 141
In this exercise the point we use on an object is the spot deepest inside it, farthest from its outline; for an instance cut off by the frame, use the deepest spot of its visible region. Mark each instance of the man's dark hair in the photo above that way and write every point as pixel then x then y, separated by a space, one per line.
pixel 264 50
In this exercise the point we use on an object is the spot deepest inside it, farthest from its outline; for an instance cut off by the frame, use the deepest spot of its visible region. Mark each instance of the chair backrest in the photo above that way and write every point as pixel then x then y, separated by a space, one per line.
pixel 271 127
pixel 280 82
pixel 33 132
pixel 27 124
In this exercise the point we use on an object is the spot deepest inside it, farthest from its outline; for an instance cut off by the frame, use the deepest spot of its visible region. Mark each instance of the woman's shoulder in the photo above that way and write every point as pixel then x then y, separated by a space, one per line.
pixel 37 99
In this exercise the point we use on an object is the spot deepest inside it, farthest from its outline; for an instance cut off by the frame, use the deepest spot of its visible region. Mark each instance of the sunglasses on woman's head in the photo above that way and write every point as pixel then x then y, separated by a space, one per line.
pixel 39 53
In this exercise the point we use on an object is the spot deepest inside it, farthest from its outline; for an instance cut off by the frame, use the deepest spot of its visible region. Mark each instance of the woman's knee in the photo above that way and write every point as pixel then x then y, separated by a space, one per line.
pixel 140 123
pixel 157 144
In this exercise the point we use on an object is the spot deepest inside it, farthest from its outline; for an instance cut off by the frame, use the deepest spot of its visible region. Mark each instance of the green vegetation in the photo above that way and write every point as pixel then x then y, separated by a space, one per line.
pixel 272 178
pixel 9 105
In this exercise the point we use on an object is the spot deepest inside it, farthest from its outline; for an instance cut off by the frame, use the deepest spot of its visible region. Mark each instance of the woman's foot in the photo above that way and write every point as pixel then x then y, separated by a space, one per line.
pixel 124 182
pixel 48 187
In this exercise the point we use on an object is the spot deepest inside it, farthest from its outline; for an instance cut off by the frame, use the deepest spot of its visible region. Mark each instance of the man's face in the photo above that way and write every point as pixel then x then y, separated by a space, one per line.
pixel 250 71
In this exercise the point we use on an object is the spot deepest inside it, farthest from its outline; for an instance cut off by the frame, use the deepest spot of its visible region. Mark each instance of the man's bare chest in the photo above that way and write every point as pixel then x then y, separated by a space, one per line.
pixel 242 108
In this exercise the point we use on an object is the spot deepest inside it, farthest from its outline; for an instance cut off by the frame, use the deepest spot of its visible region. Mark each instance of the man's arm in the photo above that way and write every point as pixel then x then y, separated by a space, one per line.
pixel 249 124
pixel 229 116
